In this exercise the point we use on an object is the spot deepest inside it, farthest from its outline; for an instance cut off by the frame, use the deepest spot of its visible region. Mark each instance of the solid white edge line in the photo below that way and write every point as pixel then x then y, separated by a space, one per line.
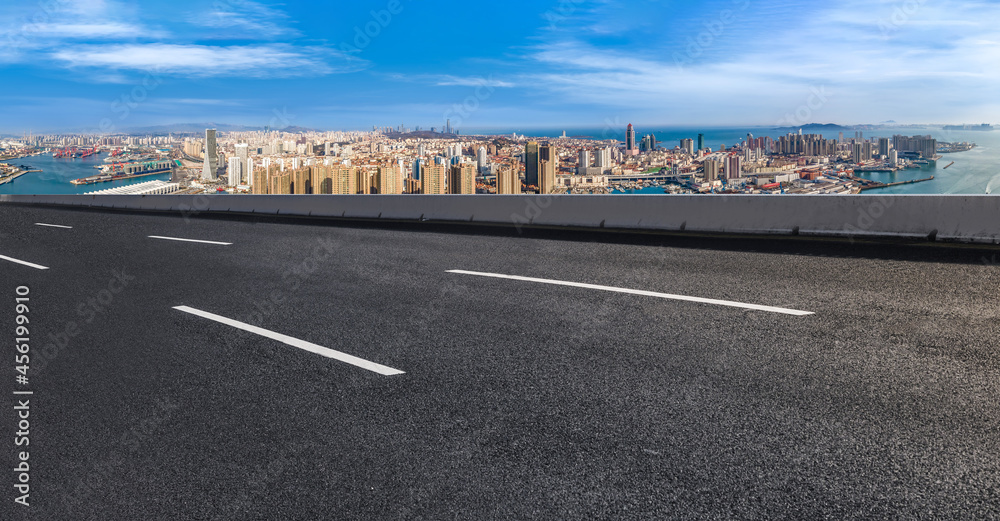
pixel 716 302
pixel 54 226
pixel 295 342
pixel 189 240
pixel 36 266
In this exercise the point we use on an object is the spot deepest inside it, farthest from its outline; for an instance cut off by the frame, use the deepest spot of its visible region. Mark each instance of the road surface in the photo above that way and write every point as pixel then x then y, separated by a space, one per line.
pixel 294 370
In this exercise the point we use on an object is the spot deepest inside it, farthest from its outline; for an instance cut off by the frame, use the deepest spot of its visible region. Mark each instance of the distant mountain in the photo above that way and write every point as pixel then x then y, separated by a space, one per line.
pixel 298 130
pixel 823 127
pixel 421 134
pixel 199 128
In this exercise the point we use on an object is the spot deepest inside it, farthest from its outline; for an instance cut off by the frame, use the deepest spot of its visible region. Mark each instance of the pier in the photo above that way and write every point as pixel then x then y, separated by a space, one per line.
pixel 874 185
pixel 10 178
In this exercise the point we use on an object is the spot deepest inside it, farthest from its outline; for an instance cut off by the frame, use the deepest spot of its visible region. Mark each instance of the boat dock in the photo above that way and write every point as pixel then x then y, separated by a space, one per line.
pixel 949 164
pixel 10 178
pixel 873 186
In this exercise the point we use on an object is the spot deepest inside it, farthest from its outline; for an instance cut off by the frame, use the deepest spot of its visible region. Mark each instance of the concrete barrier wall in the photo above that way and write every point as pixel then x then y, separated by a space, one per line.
pixel 973 218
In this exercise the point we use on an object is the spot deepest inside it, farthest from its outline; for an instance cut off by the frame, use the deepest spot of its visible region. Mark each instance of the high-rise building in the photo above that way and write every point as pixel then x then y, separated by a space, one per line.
pixel 926 146
pixel 547 152
pixel 344 180
pixel 701 141
pixel 433 179
pixel 547 175
pixel 630 147
pixel 280 184
pixel 604 159
pixel 363 180
pixel 235 171
pixel 320 179
pixel 733 167
pixel 531 163
pixel 508 181
pixel 301 181
pixel 857 152
pixel 584 158
pixel 883 146
pixel 243 153
pixel 261 183
pixel 481 159
pixel 462 179
pixel 548 156
pixel 248 174
pixel 210 168
pixel 687 145
pixel 712 168
pixel 388 179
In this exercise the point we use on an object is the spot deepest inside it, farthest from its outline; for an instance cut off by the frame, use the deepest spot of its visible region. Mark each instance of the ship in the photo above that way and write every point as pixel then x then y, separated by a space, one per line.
pixel 122 171
pixel 982 128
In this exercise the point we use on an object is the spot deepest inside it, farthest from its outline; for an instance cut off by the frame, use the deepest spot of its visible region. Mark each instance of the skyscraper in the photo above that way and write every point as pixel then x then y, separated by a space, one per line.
pixel 712 168
pixel 389 179
pixel 433 179
pixel 547 175
pixel 687 145
pixel 302 181
pixel 243 155
pixel 584 158
pixel 462 179
pixel 701 141
pixel 604 159
pixel 733 167
pixel 857 152
pixel 235 171
pixel 630 147
pixel 481 159
pixel 507 181
pixel 210 168
pixel 248 174
pixel 344 180
pixel 531 163
pixel 883 146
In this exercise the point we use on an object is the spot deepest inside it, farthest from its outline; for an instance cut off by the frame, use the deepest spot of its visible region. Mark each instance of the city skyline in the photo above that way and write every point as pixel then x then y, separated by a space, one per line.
pixel 106 66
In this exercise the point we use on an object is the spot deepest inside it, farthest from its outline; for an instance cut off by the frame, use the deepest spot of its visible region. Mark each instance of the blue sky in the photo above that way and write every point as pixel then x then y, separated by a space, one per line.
pixel 109 65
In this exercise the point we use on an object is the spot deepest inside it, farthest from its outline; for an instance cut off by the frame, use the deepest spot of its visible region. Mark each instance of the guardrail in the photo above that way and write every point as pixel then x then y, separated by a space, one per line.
pixel 962 218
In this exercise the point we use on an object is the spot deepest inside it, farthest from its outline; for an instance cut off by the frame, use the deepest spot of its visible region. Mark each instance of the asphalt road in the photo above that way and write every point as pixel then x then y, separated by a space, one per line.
pixel 518 399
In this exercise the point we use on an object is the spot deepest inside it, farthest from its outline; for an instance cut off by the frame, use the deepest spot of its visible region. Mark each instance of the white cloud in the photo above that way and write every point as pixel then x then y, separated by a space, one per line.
pixel 471 81
pixel 247 18
pixel 917 67
pixel 105 30
pixel 261 61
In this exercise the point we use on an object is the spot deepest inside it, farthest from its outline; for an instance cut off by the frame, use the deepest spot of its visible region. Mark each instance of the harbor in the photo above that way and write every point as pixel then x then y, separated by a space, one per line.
pixel 41 173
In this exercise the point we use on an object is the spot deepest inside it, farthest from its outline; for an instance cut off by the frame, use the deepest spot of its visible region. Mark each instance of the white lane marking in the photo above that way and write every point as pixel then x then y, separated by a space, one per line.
pixel 729 303
pixel 189 240
pixel 54 226
pixel 36 266
pixel 295 342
